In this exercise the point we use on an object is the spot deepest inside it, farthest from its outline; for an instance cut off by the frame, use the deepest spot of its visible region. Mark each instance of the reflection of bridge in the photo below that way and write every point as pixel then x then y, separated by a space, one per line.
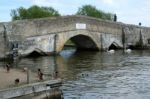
pixel 49 35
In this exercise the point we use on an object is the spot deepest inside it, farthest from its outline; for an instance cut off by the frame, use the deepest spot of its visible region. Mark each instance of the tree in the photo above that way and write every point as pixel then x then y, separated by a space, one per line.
pixel 92 11
pixel 33 12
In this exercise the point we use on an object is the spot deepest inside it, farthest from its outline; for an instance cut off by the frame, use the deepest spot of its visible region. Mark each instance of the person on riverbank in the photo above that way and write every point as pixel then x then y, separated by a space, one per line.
pixel 55 74
pixel 40 74
pixel 17 81
pixel 7 67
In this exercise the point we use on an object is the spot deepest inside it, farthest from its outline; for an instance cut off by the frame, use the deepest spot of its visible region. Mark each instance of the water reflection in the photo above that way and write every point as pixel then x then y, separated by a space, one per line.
pixel 98 75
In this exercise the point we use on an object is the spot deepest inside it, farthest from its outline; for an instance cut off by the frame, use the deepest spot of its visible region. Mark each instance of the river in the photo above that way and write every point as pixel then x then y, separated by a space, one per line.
pixel 98 75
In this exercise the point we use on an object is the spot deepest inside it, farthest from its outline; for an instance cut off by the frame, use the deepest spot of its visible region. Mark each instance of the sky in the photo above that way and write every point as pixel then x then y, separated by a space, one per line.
pixel 128 11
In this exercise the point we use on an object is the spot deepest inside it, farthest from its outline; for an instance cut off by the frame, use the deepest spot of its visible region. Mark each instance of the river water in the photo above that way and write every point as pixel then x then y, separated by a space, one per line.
pixel 98 75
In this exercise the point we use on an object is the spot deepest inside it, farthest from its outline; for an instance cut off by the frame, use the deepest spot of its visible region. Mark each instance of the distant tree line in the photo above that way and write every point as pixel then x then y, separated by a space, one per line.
pixel 92 11
pixel 33 12
pixel 40 12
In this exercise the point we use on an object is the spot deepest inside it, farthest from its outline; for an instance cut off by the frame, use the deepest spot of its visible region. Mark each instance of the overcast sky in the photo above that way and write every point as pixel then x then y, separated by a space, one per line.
pixel 128 11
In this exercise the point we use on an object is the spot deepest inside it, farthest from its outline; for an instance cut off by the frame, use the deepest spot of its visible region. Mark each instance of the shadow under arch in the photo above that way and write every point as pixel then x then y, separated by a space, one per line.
pixel 114 45
pixel 83 43
pixel 35 52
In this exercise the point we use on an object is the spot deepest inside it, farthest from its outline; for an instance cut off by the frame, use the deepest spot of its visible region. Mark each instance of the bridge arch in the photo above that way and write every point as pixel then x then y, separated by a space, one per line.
pixel 114 45
pixel 82 41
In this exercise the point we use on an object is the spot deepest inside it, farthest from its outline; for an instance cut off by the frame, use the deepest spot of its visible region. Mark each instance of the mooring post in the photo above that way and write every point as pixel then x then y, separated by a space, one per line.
pixel 27 76
pixel 101 38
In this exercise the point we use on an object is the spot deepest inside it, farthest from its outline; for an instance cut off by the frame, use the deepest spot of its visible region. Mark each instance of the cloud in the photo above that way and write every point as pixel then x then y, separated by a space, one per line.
pixel 108 2
pixel 45 2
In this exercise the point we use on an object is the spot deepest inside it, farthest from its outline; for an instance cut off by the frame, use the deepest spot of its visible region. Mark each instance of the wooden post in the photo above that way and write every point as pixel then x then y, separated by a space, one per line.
pixel 55 43
pixel 141 39
pixel 101 38
pixel 28 76
pixel 124 38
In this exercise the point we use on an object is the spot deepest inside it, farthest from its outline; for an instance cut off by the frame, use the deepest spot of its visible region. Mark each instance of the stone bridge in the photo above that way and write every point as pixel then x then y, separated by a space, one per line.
pixel 49 35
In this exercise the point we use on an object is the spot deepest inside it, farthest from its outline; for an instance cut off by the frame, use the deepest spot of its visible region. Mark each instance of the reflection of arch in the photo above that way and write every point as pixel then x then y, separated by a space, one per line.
pixel 114 45
pixel 83 42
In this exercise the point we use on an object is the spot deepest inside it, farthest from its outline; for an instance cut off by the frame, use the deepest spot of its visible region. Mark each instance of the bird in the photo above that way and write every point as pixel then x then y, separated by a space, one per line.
pixel 127 50
pixel 111 51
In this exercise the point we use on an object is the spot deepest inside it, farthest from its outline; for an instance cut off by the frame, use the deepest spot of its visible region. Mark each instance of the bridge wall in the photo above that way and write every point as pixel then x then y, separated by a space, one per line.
pixel 58 30
pixel 133 34
pixel 44 43
pixel 28 28
pixel 2 41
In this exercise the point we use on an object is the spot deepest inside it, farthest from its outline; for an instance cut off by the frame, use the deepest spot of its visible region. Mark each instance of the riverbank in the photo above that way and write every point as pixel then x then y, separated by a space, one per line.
pixel 37 90
pixel 8 78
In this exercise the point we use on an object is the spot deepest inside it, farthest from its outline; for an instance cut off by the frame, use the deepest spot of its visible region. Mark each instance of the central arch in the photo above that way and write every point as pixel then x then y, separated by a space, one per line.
pixel 83 42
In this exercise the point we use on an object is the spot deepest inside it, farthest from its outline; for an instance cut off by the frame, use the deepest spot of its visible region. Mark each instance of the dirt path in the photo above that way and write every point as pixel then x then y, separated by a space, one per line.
pixel 7 79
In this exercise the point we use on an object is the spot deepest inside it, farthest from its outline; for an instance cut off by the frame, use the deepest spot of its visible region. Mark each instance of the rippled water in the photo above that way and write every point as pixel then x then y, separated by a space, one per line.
pixel 98 75
pixel 108 76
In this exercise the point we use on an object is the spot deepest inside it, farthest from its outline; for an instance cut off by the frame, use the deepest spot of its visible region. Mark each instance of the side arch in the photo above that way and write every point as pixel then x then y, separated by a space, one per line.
pixel 114 45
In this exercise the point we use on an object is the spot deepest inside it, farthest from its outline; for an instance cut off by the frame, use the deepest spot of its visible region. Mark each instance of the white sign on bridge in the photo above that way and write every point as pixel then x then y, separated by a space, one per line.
pixel 80 26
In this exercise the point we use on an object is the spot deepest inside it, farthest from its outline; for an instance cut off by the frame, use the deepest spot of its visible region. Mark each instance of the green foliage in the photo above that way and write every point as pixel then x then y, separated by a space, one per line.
pixel 69 42
pixel 40 12
pixel 33 12
pixel 90 10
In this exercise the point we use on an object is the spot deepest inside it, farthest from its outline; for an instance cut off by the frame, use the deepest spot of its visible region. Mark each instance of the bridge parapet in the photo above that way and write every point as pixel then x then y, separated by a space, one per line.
pixel 44 26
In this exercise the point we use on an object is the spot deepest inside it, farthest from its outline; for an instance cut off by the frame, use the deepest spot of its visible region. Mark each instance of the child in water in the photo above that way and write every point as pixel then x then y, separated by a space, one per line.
pixel 40 74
